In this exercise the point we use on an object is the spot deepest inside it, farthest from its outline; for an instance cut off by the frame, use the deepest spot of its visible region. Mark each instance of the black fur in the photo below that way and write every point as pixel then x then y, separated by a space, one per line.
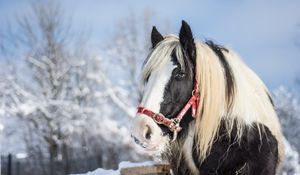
pixel 174 97
pixel 156 37
pixel 180 79
pixel 230 85
pixel 187 42
pixel 270 98
pixel 251 156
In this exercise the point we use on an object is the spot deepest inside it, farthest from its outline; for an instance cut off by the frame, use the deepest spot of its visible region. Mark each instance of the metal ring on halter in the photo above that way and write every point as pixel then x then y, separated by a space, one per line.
pixel 175 131
pixel 194 93
pixel 155 118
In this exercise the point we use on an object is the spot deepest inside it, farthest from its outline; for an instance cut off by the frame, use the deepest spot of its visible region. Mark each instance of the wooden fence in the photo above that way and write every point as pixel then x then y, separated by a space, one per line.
pixel 12 166
pixel 159 169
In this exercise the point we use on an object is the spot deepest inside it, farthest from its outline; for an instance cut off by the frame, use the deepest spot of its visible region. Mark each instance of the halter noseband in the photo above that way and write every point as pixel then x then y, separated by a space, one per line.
pixel 174 123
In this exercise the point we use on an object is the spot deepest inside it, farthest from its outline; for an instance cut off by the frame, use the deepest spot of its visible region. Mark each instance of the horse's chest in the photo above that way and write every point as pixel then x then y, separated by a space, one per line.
pixel 253 155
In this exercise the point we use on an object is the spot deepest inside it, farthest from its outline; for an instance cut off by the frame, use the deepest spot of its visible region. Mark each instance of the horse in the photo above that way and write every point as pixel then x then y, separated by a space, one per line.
pixel 204 110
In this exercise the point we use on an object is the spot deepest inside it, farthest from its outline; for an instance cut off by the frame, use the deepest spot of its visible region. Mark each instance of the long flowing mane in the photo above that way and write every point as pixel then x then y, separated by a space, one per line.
pixel 248 104
pixel 229 92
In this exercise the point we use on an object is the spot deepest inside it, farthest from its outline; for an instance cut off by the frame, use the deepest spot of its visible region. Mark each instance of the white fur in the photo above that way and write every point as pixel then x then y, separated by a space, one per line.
pixel 155 88
pixel 152 98
pixel 158 70
pixel 188 149
pixel 154 145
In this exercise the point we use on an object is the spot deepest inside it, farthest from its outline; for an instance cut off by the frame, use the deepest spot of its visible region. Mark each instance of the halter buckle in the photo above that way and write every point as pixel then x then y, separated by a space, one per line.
pixel 175 128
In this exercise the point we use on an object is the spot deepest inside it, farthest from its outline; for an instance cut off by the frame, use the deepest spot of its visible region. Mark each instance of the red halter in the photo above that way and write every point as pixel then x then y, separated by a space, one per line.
pixel 174 123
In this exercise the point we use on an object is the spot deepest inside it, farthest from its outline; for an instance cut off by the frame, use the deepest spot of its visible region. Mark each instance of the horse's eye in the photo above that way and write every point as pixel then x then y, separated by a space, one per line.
pixel 179 76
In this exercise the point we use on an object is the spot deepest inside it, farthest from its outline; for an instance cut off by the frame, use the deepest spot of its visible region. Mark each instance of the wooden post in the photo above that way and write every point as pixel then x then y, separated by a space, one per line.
pixel 18 167
pixel 9 165
pixel 159 169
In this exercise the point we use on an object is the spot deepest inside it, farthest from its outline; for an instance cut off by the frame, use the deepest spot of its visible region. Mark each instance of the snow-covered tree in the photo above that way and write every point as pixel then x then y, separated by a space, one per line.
pixel 51 94
pixel 61 94
pixel 59 101
pixel 288 108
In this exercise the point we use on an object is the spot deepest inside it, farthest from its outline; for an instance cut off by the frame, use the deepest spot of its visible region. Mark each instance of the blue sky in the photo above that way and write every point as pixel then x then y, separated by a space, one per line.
pixel 263 32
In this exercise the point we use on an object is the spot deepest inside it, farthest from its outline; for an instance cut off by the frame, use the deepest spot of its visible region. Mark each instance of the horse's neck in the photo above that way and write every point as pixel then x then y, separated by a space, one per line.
pixel 180 155
pixel 188 149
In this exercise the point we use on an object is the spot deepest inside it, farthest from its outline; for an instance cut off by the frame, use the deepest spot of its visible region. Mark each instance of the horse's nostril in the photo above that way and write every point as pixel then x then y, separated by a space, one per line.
pixel 148 133
pixel 136 140
pixel 148 136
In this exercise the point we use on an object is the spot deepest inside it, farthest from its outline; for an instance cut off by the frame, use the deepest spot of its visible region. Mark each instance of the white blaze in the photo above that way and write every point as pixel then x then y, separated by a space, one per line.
pixel 155 88
pixel 152 98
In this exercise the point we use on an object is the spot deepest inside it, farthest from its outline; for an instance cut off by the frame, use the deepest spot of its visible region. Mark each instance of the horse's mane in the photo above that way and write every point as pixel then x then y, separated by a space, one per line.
pixel 229 92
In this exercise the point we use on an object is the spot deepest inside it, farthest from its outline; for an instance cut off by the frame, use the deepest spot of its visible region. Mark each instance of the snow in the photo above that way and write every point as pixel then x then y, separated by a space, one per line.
pixel 100 171
pixel 124 164
pixel 21 155
pixel 288 108
pixel 27 108
pixel 127 164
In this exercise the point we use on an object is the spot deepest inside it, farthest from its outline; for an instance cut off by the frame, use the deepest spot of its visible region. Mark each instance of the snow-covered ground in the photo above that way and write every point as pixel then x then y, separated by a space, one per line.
pixel 290 166
pixel 124 164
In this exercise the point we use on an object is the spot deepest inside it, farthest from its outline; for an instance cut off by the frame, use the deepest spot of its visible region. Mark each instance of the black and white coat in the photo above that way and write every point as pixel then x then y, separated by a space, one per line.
pixel 236 130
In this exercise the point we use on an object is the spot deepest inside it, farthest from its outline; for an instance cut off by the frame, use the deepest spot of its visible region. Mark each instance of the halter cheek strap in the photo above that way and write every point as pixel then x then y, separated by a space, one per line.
pixel 174 123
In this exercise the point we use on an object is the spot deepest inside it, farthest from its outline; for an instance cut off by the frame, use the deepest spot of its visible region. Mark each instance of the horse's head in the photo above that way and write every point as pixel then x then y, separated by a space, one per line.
pixel 168 78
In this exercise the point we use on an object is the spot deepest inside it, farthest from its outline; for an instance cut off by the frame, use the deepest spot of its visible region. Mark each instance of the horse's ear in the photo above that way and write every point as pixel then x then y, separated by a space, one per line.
pixel 187 41
pixel 156 37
